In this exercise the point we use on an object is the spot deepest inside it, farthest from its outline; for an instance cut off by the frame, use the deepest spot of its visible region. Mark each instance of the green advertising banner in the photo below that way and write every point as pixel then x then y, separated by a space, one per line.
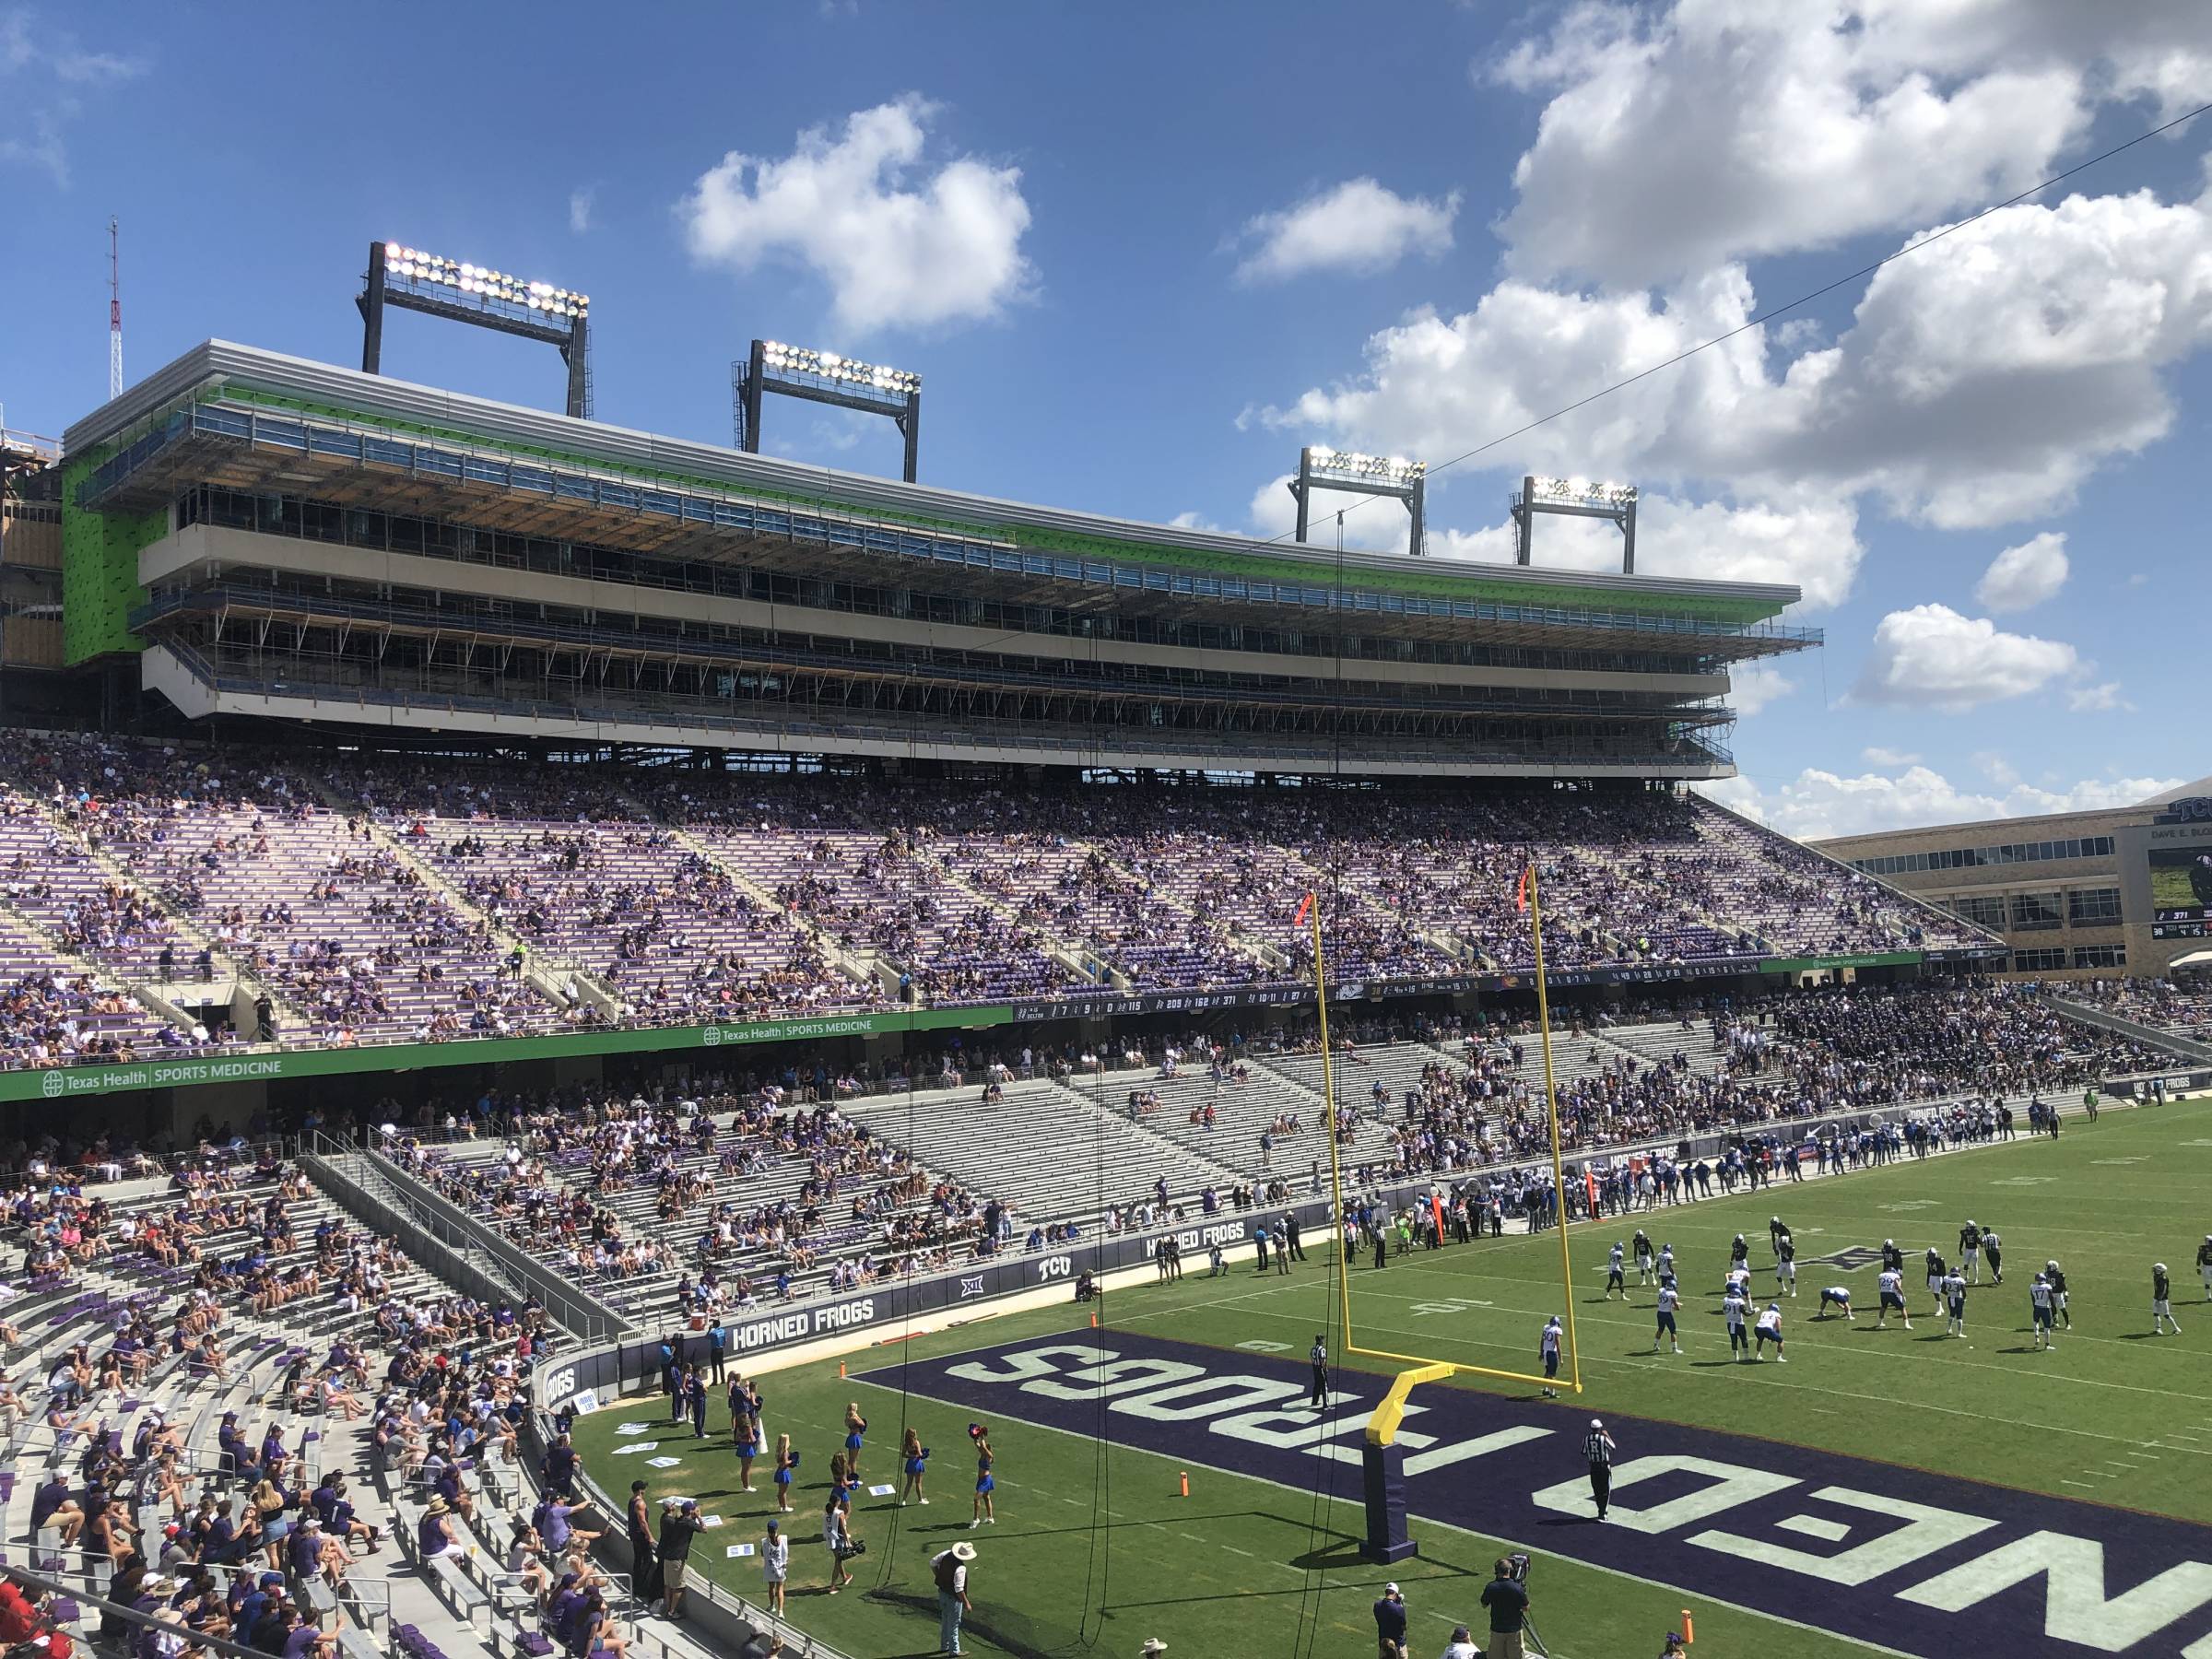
pixel 186 1071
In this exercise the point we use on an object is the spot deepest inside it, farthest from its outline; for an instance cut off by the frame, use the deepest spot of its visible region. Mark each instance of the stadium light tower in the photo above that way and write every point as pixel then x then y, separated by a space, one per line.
pixel 823 377
pixel 413 280
pixel 1575 498
pixel 1320 467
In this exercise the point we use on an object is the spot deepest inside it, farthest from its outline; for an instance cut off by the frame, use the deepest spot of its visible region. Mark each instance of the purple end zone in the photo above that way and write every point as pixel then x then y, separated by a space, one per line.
pixel 1925 1564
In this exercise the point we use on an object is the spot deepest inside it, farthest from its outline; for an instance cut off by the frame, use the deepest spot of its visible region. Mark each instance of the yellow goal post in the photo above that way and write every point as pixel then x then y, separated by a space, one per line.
pixel 1383 1425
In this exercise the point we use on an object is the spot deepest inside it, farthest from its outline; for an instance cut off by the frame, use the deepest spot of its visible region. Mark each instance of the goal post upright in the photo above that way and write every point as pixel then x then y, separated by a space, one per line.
pixel 1383 1425
pixel 1551 1112
pixel 1311 907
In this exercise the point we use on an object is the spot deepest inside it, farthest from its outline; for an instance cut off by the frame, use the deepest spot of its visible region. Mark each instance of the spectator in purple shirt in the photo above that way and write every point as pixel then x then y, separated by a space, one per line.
pixel 51 1503
pixel 435 1533
pixel 562 1607
pixel 306 1547
pixel 221 1546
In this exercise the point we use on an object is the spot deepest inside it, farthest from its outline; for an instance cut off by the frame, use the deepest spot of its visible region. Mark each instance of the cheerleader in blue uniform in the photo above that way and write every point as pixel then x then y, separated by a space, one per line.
pixel 787 1463
pixel 985 1484
pixel 914 1456
pixel 855 1425
pixel 748 1436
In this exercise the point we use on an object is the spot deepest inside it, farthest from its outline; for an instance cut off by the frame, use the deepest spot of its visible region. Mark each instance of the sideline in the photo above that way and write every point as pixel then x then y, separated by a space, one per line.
pixel 843 1345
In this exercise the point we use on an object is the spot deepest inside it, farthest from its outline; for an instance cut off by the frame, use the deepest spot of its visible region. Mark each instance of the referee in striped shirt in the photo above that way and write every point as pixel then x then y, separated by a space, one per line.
pixel 1320 1356
pixel 1597 1446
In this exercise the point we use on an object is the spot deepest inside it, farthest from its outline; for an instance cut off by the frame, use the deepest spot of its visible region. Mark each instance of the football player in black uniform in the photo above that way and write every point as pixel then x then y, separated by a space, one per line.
pixel 2057 1281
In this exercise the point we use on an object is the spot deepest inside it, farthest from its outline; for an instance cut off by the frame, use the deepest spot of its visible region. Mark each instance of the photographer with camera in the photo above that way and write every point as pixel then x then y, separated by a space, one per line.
pixel 679 1525
pixel 837 1533
pixel 1390 1624
pixel 1508 1602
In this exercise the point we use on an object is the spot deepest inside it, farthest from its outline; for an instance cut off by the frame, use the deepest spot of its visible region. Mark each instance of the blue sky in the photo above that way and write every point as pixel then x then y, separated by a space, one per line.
pixel 1141 253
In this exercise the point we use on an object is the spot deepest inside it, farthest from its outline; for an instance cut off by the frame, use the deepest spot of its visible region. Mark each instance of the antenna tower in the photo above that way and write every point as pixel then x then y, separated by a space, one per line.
pixel 114 316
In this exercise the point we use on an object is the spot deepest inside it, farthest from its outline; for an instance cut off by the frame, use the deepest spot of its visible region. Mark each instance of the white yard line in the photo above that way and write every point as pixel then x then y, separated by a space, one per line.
pixel 1796 1385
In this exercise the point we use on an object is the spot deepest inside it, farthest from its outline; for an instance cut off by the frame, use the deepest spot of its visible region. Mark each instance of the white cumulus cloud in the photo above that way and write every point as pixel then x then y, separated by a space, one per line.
pixel 2101 699
pixel 1753 686
pixel 1678 137
pixel 1358 226
pixel 1931 657
pixel 1979 382
pixel 1372 523
pixel 1874 755
pixel 900 245
pixel 581 201
pixel 1816 803
pixel 1194 520
pixel 2021 578
pixel 1812 544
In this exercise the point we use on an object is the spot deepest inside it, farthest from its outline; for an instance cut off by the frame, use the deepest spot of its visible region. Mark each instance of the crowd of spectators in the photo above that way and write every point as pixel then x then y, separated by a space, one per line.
pixel 377 898
pixel 735 1191
pixel 246 1529
pixel 2185 1010
pixel 1804 1056
pixel 746 1197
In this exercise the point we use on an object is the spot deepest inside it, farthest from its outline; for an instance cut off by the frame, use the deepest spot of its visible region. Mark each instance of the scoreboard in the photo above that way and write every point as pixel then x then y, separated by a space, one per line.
pixel 2177 872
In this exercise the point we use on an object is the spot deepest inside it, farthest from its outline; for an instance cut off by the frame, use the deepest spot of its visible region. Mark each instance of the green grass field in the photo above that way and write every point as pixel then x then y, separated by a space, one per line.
pixel 1246 1566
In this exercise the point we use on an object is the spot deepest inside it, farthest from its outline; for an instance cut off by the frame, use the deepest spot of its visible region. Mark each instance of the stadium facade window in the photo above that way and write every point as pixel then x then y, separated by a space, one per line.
pixel 1984 910
pixel 2036 912
pixel 2100 956
pixel 2087 906
pixel 1965 858
pixel 2038 961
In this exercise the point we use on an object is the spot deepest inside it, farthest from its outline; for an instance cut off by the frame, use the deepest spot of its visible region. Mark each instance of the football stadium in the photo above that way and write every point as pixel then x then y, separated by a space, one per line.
pixel 789 998
pixel 591 1022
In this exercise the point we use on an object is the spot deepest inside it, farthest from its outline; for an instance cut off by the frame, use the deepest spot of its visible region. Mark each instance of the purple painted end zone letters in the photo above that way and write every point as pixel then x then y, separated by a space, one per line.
pixel 1922 1563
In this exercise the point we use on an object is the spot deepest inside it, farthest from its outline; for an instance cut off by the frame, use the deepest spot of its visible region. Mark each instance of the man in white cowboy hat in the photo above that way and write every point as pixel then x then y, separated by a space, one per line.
pixel 949 1567
pixel 1152 1648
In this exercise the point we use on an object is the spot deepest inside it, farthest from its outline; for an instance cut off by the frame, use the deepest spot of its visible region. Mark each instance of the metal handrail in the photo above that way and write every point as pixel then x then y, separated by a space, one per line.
pixel 731 507
pixel 773 726
pixel 392 1209
pixel 128 1615
pixel 669 640
pixel 797 1644
pixel 584 1317
pixel 166 1165
pixel 371 1612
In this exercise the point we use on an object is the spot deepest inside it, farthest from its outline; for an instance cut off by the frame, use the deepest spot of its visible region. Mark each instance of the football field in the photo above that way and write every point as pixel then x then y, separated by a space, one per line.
pixel 1885 1490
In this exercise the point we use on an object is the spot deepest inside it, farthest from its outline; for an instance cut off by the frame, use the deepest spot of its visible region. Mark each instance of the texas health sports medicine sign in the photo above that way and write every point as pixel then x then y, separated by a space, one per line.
pixel 187 1071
